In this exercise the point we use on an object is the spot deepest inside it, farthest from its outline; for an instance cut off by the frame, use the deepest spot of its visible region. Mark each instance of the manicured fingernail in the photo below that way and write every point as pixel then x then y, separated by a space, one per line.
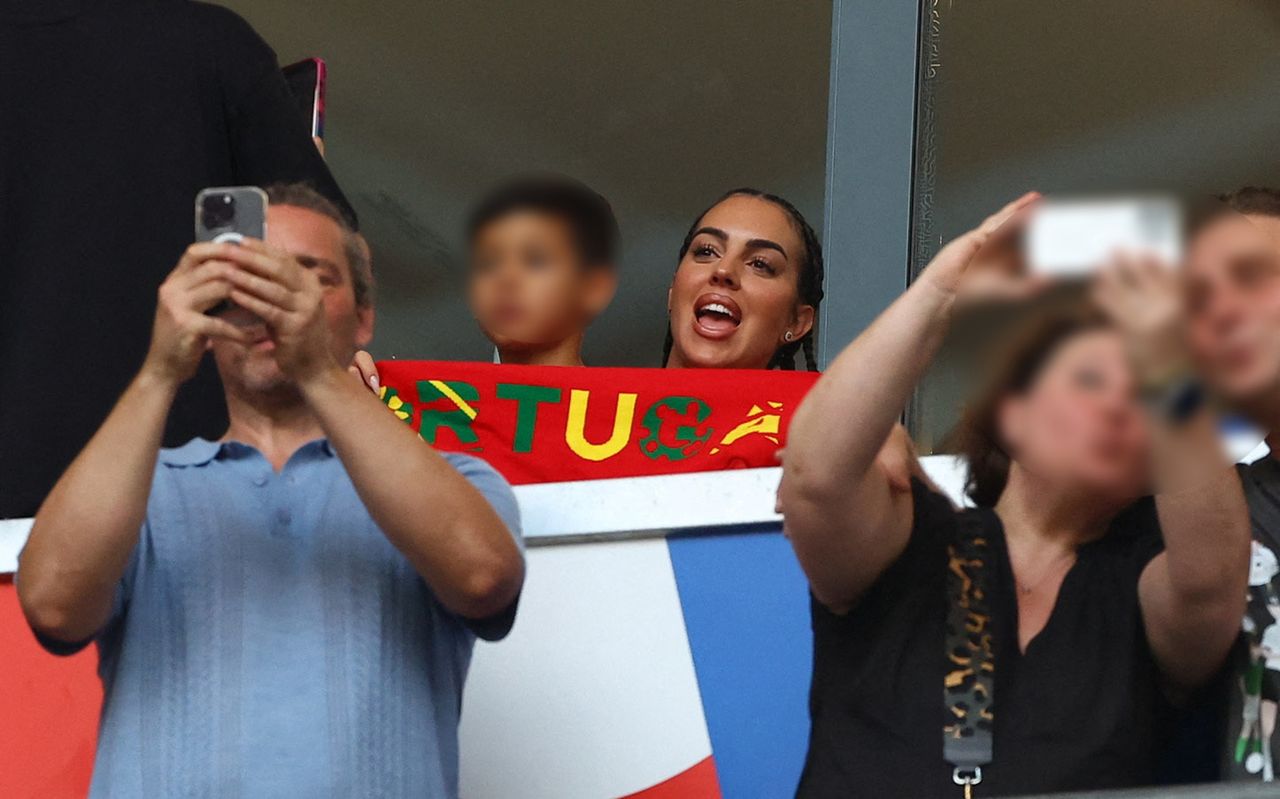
pixel 373 382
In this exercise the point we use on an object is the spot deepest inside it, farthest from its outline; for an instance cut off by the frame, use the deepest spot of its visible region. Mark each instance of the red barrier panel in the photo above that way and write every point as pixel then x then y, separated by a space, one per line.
pixel 49 711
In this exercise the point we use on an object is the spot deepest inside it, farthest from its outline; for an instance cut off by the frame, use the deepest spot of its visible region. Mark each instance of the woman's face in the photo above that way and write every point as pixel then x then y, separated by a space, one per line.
pixel 1079 425
pixel 734 296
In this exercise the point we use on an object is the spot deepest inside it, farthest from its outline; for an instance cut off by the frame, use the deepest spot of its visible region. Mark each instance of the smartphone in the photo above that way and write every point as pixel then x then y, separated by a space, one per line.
pixel 1073 237
pixel 230 214
pixel 306 81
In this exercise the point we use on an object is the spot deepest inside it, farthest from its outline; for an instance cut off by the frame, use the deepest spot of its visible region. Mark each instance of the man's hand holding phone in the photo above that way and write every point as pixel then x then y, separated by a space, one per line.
pixel 182 330
pixel 289 299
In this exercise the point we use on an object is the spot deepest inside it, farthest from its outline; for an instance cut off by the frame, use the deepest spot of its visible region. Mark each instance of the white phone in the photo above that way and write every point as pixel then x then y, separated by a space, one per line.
pixel 1073 237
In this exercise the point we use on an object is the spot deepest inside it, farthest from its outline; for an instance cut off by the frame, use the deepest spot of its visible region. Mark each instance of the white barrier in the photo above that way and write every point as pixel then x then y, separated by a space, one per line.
pixel 624 507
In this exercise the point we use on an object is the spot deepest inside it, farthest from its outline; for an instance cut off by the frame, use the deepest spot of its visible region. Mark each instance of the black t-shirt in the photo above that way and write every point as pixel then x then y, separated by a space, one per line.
pixel 113 114
pixel 1082 709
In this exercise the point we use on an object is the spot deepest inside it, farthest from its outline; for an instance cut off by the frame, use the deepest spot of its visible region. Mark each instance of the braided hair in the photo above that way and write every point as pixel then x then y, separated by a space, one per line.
pixel 809 282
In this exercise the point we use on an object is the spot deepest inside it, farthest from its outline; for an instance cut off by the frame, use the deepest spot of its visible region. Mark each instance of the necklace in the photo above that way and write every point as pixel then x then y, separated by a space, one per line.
pixel 1025 589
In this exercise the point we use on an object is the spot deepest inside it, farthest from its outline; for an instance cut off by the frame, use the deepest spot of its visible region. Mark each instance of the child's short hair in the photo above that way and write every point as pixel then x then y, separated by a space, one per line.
pixel 589 215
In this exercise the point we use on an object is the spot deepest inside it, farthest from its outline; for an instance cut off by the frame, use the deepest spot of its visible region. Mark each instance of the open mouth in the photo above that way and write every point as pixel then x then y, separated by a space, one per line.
pixel 716 316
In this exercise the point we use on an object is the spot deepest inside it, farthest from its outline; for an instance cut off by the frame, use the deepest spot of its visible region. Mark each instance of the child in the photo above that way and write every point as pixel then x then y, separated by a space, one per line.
pixel 543 251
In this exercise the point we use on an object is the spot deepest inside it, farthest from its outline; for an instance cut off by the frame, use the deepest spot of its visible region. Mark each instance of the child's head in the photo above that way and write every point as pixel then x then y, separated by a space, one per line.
pixel 543 253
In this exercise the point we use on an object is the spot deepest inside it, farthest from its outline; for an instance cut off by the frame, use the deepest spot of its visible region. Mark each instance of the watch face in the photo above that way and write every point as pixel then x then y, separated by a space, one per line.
pixel 1184 400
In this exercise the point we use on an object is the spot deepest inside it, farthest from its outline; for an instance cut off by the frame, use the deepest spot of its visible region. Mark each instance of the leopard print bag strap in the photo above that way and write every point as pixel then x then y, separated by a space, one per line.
pixel 969 687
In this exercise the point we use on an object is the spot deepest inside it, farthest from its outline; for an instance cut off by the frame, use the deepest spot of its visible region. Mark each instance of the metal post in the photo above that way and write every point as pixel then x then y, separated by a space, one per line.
pixel 870 156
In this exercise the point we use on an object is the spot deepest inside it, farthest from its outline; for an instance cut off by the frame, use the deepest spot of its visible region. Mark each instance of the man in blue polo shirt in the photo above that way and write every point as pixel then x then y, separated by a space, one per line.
pixel 290 610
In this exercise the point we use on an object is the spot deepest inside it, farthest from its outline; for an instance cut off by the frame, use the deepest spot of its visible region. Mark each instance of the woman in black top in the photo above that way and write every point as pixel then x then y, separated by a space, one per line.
pixel 1101 605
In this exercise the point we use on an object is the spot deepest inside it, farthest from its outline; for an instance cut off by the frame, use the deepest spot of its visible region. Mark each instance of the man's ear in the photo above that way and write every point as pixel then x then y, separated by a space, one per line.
pixel 364 326
pixel 601 285
pixel 803 323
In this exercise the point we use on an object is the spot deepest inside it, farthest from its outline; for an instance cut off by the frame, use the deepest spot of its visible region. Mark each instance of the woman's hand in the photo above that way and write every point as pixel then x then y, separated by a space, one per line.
pixel 1143 299
pixel 986 264
pixel 363 369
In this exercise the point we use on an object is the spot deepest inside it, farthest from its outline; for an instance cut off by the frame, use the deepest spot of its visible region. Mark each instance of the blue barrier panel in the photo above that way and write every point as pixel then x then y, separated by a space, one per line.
pixel 746 608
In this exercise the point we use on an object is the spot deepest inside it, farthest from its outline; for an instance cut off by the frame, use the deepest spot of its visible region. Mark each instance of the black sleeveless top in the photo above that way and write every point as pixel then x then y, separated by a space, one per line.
pixel 1081 709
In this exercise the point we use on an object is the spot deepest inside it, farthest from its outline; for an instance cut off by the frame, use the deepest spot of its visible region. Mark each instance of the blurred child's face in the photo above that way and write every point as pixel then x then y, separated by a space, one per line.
pixel 529 286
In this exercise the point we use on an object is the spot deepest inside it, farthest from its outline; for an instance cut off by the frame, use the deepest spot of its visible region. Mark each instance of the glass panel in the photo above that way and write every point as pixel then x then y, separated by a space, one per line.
pixel 661 107
pixel 1094 96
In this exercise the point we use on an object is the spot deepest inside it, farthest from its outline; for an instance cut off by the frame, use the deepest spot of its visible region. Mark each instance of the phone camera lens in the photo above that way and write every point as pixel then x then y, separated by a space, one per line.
pixel 218 210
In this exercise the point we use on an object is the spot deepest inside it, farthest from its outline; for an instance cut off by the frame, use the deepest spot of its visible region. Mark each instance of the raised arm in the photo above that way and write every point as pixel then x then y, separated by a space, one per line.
pixel 1193 594
pixel 445 527
pixel 86 529
pixel 845 496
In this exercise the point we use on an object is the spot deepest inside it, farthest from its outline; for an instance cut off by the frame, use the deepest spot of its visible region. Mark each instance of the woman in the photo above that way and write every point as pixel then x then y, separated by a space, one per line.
pixel 747 289
pixel 1057 592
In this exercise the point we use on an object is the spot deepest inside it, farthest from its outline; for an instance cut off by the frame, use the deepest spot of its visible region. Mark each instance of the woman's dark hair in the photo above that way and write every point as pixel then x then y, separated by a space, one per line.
pixel 977 436
pixel 809 282
pixel 588 213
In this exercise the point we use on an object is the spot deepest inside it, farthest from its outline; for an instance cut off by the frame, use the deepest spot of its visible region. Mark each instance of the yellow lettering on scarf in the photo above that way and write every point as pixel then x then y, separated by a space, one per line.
pixel 767 424
pixel 575 430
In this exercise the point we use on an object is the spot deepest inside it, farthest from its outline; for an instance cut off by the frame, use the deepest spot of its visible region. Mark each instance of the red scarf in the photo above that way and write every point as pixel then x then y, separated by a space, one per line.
pixel 540 424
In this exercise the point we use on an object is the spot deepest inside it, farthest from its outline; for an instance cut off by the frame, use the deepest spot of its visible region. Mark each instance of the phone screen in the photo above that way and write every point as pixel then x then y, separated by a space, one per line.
pixel 1076 236
pixel 306 81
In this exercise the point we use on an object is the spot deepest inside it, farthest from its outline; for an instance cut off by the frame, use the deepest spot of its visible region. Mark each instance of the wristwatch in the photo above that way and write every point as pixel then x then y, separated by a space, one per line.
pixel 1175 401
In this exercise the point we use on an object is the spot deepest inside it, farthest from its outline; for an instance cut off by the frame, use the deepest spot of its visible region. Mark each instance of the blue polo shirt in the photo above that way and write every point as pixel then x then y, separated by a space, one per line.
pixel 268 641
